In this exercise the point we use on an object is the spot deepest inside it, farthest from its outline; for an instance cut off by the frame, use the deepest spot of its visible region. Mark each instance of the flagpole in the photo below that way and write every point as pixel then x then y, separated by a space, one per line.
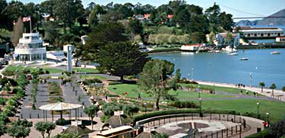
pixel 31 25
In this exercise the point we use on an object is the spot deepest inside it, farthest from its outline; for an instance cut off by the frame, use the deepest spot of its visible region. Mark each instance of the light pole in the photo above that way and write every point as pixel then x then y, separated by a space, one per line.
pixel 257 104
pixel 144 108
pixel 267 117
pixel 200 100
pixel 188 76
pixel 192 69
pixel 250 76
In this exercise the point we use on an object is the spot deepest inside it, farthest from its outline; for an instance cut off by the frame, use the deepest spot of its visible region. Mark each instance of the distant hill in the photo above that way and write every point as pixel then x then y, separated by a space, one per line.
pixel 274 21
pixel 247 23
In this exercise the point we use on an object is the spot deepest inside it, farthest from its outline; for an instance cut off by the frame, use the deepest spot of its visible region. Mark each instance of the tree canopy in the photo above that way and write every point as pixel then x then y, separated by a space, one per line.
pixel 156 78
pixel 121 58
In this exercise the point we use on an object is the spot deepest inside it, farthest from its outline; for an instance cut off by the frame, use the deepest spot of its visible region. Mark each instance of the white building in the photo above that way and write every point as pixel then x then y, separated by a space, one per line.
pixel 30 48
pixel 249 32
pixel 280 39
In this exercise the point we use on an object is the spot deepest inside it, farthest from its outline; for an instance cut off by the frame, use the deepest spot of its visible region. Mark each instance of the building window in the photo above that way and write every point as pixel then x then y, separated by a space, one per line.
pixel 278 34
pixel 268 34
pixel 261 34
pixel 255 35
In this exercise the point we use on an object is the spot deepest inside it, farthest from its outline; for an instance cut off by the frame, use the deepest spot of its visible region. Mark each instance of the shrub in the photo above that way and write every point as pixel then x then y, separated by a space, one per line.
pixel 3 101
pixel 8 73
pixel 183 104
pixel 91 81
pixel 7 112
pixel 62 122
pixel 4 118
pixel 262 134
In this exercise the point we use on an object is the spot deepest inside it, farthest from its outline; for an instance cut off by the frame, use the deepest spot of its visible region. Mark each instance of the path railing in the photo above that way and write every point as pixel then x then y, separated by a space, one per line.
pixel 237 129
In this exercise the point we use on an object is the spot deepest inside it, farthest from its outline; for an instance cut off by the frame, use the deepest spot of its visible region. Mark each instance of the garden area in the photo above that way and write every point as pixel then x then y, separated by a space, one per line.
pixel 11 70
pixel 228 101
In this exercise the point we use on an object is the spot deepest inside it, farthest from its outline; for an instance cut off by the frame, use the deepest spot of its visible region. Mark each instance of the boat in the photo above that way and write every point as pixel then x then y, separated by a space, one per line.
pixel 233 54
pixel 275 53
pixel 243 59
pixel 217 51
pixel 229 49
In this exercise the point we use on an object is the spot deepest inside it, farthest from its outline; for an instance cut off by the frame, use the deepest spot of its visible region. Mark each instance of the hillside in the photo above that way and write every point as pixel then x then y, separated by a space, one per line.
pixel 271 20
pixel 247 23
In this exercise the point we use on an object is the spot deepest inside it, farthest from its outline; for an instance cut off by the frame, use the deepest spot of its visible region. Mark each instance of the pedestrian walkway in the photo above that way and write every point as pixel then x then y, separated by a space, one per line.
pixel 278 94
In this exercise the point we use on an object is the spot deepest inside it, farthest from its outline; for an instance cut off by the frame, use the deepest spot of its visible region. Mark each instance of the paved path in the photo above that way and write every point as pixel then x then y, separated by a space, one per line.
pixel 279 95
pixel 42 98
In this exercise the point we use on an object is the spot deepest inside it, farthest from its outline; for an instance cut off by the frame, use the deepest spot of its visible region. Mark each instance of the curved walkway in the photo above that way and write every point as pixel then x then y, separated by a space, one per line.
pixel 278 94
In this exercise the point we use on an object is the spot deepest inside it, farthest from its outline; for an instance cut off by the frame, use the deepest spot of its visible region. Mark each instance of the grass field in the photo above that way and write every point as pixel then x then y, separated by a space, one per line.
pixel 18 68
pixel 275 108
pixel 221 89
pixel 87 70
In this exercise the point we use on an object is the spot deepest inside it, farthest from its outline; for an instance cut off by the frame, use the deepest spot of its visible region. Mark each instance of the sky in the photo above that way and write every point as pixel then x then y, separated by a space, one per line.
pixel 238 8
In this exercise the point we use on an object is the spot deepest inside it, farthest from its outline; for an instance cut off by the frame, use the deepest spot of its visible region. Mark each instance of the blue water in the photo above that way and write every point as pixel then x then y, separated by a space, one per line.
pixel 220 67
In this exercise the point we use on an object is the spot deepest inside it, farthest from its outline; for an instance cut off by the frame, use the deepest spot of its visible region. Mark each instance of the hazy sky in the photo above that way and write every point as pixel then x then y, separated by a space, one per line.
pixel 238 8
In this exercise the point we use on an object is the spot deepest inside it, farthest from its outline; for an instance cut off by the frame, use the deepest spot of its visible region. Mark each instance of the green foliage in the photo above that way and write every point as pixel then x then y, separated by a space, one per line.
pixel 184 104
pixel 62 122
pixel 91 111
pixel 20 128
pixel 278 128
pixel 262 134
pixel 155 78
pixel 121 59
pixel 68 135
pixel 3 101
pixel 91 81
pixel 283 88
pixel 3 128
pixel 45 127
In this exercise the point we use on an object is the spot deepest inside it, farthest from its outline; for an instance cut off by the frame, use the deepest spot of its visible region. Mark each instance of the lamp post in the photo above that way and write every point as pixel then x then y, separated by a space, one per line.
pixel 200 100
pixel 267 117
pixel 257 104
pixel 144 108
pixel 250 76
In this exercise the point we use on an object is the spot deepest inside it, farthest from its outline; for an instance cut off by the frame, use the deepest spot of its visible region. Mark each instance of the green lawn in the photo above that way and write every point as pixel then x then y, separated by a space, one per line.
pixel 18 68
pixel 275 108
pixel 221 89
pixel 87 70
pixel 133 91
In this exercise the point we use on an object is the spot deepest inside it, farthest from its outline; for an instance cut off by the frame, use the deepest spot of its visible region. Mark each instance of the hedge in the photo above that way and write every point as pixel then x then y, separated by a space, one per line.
pixel 168 112
pixel 262 134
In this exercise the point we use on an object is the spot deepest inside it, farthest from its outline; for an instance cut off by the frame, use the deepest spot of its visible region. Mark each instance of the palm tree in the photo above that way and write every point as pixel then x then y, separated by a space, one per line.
pixel 273 86
pixel 91 111
pixel 262 84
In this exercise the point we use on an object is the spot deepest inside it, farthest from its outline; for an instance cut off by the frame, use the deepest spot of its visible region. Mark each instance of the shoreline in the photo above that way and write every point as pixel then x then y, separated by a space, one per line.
pixel 279 95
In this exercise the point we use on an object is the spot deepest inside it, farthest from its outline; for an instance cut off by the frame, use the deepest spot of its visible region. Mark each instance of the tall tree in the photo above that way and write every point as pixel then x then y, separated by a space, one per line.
pixel 18 31
pixel 156 79
pixel 101 35
pixel 91 111
pixel 283 88
pixel 273 86
pixel 121 59
pixel 262 85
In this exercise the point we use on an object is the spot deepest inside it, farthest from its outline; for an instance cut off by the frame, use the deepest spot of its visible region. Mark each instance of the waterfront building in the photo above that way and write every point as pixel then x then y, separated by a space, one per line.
pixel 30 48
pixel 221 38
pixel 191 47
pixel 280 39
pixel 270 32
